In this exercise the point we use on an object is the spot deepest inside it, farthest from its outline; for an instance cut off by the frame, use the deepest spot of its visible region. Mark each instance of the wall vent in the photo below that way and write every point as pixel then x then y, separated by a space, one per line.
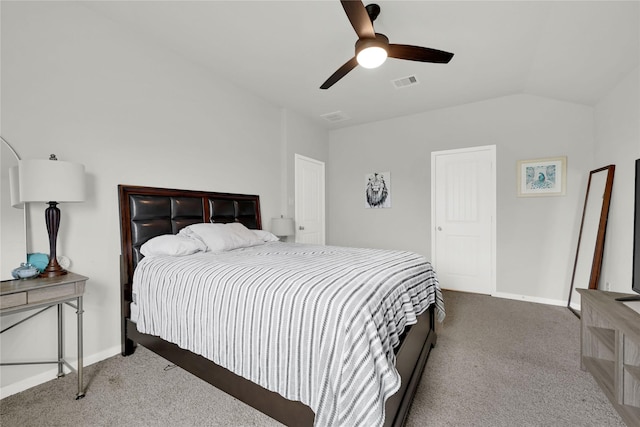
pixel 405 82
pixel 336 116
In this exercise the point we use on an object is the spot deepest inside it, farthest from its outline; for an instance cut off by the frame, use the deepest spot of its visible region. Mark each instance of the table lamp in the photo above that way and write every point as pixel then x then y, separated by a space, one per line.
pixel 51 181
pixel 282 227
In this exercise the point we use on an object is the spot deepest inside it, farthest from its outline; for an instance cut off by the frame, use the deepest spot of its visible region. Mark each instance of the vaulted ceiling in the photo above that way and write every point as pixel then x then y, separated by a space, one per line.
pixel 284 50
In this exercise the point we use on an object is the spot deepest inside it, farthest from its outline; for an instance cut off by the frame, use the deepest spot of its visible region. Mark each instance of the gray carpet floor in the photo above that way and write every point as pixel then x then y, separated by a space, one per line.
pixel 497 363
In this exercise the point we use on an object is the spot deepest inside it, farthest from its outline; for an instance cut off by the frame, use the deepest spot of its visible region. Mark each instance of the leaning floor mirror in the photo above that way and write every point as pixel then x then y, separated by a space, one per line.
pixel 586 269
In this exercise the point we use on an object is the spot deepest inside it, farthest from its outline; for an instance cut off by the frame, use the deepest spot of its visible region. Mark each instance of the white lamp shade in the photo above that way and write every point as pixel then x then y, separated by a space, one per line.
pixel 14 188
pixel 51 181
pixel 282 226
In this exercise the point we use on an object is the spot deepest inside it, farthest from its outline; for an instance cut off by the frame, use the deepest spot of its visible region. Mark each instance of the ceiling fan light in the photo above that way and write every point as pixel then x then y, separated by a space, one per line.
pixel 372 57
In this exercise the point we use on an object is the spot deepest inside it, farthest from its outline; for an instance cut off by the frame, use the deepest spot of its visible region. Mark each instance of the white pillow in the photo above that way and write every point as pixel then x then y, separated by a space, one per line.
pixel 219 237
pixel 170 244
pixel 265 236
pixel 245 233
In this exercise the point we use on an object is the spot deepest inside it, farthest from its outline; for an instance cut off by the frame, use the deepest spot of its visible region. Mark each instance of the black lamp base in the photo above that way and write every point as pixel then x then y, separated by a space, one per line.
pixel 52 219
pixel 53 270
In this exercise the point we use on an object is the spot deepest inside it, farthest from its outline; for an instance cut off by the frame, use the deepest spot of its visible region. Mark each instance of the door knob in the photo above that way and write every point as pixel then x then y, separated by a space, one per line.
pixel 439 228
pixel 301 227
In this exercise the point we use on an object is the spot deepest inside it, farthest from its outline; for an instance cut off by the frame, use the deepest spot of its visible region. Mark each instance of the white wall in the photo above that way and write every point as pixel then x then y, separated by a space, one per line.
pixel 618 142
pixel 536 237
pixel 78 85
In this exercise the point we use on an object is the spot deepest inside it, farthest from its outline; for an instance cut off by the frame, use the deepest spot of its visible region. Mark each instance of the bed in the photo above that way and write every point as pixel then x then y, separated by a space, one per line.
pixel 147 212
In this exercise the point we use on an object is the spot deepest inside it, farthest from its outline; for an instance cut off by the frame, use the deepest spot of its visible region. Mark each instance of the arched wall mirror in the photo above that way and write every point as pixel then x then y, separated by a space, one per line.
pixel 586 269
pixel 13 246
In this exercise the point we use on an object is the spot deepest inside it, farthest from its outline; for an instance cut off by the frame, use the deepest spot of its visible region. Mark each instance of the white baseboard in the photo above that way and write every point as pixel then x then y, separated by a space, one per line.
pixel 35 380
pixel 547 301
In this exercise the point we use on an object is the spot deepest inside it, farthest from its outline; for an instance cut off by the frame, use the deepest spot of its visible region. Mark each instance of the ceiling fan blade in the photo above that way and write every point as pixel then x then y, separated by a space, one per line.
pixel 342 71
pixel 359 18
pixel 417 53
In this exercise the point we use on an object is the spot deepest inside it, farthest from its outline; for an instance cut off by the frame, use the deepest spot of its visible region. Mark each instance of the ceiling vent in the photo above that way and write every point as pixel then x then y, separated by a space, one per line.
pixel 405 82
pixel 336 116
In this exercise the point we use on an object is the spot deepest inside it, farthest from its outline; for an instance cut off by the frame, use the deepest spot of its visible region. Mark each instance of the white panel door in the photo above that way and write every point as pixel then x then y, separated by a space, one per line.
pixel 309 190
pixel 463 211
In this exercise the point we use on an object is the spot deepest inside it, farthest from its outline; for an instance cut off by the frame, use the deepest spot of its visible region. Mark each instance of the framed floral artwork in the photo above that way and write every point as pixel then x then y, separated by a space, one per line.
pixel 542 177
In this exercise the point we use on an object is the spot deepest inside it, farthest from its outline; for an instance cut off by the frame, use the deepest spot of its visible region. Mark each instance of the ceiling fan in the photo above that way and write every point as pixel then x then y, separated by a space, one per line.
pixel 373 48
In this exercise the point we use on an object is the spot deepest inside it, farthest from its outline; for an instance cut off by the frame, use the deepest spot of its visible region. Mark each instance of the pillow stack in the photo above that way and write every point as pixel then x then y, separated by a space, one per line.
pixel 206 237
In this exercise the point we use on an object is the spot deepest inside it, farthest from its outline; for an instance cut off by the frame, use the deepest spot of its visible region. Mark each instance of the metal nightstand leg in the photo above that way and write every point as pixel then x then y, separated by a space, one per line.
pixel 80 394
pixel 60 342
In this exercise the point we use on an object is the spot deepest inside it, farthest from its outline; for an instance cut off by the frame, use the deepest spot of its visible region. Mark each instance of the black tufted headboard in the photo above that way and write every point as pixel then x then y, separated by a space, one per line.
pixel 146 212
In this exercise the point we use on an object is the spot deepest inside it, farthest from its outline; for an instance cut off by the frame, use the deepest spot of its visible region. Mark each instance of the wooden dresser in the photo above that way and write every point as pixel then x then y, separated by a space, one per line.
pixel 610 349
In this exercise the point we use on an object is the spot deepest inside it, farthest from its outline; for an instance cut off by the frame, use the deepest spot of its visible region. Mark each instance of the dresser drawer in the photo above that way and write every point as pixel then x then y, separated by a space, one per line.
pixel 13 300
pixel 20 295
pixel 55 292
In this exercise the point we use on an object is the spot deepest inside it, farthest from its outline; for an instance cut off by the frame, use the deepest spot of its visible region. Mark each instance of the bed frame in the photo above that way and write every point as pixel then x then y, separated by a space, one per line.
pixel 146 212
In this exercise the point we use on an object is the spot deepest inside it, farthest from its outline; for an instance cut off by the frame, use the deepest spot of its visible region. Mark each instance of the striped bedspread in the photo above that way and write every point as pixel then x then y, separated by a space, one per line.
pixel 315 324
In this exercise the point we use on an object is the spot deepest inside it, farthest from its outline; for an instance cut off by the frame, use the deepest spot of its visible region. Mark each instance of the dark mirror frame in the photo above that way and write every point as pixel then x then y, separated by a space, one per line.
pixel 598 250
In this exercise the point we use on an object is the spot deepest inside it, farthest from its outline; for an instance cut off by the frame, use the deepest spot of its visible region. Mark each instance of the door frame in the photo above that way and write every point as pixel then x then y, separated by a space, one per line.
pixel 322 201
pixel 492 150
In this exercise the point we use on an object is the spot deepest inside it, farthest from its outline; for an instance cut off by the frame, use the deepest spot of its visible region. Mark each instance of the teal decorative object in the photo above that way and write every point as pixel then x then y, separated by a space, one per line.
pixel 39 260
